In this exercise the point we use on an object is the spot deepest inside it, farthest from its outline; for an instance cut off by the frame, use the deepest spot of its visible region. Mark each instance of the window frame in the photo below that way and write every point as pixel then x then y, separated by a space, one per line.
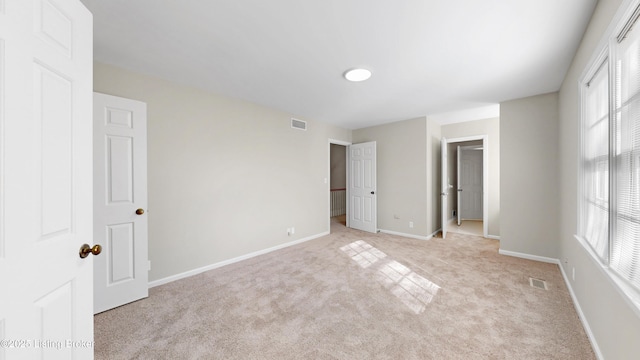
pixel 605 51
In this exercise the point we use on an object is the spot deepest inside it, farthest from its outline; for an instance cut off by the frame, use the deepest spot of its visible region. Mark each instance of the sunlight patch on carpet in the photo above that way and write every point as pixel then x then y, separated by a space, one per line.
pixel 363 253
pixel 412 289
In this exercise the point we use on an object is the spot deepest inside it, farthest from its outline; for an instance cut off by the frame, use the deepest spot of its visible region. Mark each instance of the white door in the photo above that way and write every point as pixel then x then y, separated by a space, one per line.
pixel 470 183
pixel 459 187
pixel 120 201
pixel 362 187
pixel 444 187
pixel 46 210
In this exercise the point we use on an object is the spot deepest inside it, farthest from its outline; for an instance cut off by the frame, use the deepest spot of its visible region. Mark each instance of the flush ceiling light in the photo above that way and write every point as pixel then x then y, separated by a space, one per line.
pixel 357 74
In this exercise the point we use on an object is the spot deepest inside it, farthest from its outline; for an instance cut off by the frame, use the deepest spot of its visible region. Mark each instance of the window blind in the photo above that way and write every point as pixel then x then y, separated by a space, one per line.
pixel 625 218
pixel 595 163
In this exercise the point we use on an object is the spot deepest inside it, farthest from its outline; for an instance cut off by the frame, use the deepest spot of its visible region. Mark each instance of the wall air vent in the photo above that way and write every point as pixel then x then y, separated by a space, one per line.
pixel 298 124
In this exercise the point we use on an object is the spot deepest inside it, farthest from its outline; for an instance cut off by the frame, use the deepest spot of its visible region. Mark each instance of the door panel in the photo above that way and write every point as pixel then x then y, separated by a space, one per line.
pixel 120 178
pixel 362 187
pixel 46 210
pixel 119 117
pixel 356 209
pixel 53 315
pixel 52 105
pixel 368 169
pixel 122 246
pixel 54 27
pixel 368 209
pixel 120 169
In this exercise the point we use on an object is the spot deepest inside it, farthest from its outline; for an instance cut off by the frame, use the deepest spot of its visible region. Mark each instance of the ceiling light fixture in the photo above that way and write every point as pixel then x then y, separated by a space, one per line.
pixel 357 74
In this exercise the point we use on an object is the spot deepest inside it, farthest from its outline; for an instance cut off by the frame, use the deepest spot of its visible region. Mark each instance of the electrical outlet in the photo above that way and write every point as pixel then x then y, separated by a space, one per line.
pixel 411 224
pixel 396 216
pixel 293 230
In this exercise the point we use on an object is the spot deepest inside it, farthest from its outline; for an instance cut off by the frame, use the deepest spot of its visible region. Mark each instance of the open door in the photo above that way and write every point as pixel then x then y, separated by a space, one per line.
pixel 120 201
pixel 46 212
pixel 362 210
pixel 445 187
pixel 459 185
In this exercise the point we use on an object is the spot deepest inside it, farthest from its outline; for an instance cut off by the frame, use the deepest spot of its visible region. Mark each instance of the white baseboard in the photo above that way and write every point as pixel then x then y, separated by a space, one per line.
pixel 529 257
pixel 494 237
pixel 189 273
pixel 583 319
pixel 406 235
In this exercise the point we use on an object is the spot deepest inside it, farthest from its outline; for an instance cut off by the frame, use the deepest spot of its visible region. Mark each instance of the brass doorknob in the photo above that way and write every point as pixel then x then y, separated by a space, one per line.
pixel 85 250
pixel 140 211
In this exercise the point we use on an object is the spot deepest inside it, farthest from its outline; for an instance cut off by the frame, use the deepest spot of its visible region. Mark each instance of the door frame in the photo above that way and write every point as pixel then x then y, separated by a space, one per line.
pixel 328 178
pixel 485 176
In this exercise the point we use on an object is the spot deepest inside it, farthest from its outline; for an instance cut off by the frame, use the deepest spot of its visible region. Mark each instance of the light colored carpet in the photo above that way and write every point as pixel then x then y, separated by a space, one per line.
pixel 354 295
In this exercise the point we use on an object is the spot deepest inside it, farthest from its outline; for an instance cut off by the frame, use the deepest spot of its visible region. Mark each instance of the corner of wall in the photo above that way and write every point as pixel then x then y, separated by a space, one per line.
pixel 529 196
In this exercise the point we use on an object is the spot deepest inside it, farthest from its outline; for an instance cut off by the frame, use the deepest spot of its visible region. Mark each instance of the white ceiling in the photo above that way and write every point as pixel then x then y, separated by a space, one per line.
pixel 428 57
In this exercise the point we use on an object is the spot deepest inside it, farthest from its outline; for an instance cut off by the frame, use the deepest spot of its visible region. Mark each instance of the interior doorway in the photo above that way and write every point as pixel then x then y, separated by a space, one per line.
pixel 338 183
pixel 469 183
pixel 466 202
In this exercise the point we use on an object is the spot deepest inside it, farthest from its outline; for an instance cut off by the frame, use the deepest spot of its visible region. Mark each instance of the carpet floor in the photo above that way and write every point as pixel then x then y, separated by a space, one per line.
pixel 355 295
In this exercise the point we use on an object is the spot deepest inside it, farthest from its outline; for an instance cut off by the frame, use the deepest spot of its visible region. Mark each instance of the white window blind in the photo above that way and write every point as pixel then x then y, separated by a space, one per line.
pixel 625 235
pixel 595 163
pixel 609 218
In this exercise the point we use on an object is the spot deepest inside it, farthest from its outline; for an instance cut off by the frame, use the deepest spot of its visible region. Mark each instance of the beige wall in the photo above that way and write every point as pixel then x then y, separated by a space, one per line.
pixel 226 177
pixel 529 175
pixel 615 326
pixel 491 128
pixel 401 175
